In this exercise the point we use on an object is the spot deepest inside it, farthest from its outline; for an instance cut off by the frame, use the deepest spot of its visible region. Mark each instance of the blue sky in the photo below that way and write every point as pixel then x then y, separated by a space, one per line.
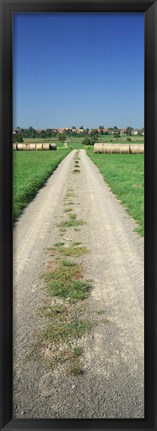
pixel 74 69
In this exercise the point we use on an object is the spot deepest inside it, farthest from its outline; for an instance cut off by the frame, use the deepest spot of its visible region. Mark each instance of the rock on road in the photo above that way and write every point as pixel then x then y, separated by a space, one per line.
pixel 112 385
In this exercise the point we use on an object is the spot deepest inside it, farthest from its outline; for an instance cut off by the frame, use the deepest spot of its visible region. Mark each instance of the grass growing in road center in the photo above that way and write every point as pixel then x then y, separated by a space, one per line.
pixel 62 331
pixel 72 250
pixel 125 175
pixel 58 341
pixel 72 222
pixel 66 281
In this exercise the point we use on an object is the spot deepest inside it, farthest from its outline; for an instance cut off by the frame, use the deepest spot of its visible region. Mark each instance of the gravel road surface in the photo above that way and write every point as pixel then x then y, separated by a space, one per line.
pixel 112 384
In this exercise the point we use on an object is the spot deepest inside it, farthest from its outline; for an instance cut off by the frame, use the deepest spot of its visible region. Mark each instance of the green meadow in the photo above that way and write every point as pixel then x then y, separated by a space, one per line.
pixel 124 173
pixel 75 142
pixel 30 171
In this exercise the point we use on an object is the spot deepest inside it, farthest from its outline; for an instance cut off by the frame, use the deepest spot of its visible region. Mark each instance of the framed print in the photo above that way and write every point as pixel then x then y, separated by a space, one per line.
pixel 78 215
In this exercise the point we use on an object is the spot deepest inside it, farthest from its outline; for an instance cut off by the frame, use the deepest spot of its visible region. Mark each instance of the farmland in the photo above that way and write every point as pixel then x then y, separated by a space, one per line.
pixel 76 142
pixel 30 171
pixel 125 176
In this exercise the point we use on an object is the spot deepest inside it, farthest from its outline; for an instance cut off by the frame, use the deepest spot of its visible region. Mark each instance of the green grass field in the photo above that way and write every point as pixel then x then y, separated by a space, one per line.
pixel 76 142
pixel 125 175
pixel 30 171
pixel 122 140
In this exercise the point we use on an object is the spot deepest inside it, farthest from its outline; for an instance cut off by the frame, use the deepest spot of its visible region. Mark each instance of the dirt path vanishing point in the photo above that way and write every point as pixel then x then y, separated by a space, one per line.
pixel 112 383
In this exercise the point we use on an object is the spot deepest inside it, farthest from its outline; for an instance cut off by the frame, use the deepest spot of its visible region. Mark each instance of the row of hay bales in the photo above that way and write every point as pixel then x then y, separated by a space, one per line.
pixel 38 147
pixel 119 148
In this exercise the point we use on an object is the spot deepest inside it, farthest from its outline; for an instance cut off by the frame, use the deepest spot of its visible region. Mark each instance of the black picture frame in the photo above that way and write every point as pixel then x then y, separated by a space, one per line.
pixel 149 8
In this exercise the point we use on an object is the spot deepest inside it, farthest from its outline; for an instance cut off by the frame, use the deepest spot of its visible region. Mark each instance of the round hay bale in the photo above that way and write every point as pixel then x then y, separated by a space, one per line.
pixel 141 148
pixel 46 146
pixel 53 147
pixel 134 148
pixel 107 148
pixel 124 148
pixel 115 148
pixel 14 146
pixel 19 146
pixel 98 148
pixel 39 147
pixel 32 146
pixel 25 147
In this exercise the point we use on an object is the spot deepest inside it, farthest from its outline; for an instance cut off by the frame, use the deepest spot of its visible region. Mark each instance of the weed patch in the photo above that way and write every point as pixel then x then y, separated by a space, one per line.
pixel 77 351
pixel 76 371
pixel 69 195
pixel 64 356
pixel 70 203
pixel 66 262
pixel 58 244
pixel 70 250
pixel 53 311
pixel 67 210
pixel 66 281
pixel 63 331
pixel 72 216
pixel 71 223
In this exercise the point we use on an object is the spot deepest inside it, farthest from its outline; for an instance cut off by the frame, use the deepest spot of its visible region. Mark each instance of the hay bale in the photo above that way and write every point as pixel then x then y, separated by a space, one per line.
pixel 39 147
pixel 25 147
pixel 107 148
pixel 19 146
pixel 98 148
pixel 133 148
pixel 141 149
pixel 124 148
pixel 14 146
pixel 46 146
pixel 32 146
pixel 136 148
pixel 53 147
pixel 115 148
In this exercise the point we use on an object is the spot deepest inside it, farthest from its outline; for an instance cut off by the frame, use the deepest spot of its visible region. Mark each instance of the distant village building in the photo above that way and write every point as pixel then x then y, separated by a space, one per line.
pixel 134 132
pixel 122 131
pixel 80 130
pixel 104 130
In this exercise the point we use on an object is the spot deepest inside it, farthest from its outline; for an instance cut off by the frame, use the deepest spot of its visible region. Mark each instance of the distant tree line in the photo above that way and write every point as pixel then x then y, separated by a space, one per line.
pixel 32 133
pixel 17 137
pixel 84 133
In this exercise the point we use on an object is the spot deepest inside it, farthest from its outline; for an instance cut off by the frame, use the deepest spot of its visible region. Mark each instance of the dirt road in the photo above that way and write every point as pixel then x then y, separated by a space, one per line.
pixel 112 383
